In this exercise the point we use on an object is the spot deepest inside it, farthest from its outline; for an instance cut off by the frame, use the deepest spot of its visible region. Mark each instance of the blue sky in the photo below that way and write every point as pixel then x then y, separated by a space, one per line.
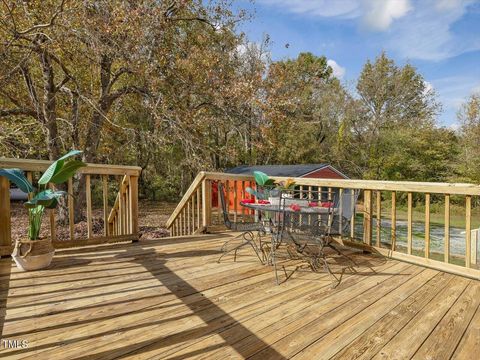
pixel 441 38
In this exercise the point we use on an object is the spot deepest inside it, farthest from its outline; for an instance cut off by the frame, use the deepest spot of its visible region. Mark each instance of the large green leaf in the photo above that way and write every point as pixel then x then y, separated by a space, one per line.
pixel 18 178
pixel 259 195
pixel 47 198
pixel 261 178
pixel 55 167
pixel 70 154
pixel 67 171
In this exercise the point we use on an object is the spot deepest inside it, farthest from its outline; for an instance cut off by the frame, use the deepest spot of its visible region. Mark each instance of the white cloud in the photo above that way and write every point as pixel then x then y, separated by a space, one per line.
pixel 428 87
pixel 427 34
pixel 325 8
pixel 445 5
pixel 376 14
pixel 417 29
pixel 338 71
pixel 379 15
pixel 454 126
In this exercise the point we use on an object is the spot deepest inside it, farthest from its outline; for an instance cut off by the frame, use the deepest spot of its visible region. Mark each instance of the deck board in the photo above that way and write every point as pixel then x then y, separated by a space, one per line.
pixel 171 299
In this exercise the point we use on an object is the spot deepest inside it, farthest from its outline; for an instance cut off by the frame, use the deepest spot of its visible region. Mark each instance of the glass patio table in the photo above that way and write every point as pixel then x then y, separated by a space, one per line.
pixel 304 229
pixel 302 209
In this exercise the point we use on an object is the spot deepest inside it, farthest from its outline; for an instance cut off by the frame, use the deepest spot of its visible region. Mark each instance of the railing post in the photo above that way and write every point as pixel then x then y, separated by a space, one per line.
pixel 367 218
pixel 468 231
pixel 474 247
pixel 134 204
pixel 5 225
pixel 409 223
pixel 394 221
pixel 71 214
pixel 88 195
pixel 105 205
pixel 379 218
pixel 447 229
pixel 53 223
pixel 427 226
pixel 206 203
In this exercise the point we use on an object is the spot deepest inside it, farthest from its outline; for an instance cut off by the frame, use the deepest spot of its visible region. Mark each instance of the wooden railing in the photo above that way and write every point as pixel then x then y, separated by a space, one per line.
pixel 199 211
pixel 123 218
pixel 125 208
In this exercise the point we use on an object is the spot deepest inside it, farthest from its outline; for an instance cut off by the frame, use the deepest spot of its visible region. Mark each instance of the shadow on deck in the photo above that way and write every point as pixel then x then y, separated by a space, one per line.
pixel 170 299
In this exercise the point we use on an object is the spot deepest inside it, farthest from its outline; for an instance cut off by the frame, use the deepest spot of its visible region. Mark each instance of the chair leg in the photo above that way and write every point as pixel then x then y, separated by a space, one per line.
pixel 333 278
pixel 274 260
pixel 248 239
pixel 331 246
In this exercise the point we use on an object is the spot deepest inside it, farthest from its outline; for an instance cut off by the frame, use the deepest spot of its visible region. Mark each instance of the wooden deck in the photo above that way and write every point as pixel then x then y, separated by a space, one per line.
pixel 170 299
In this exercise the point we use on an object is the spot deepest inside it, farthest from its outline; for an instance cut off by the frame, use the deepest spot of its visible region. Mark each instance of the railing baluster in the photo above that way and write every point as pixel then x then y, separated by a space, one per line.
pixel 447 229
pixel 127 206
pixel 184 222
pixel 189 203
pixel 409 223
pixel 235 201
pixel 310 198
pixel 105 204
pixel 340 211
pixel 367 217
pixel 474 247
pixel 427 226
pixel 378 195
pixel 193 212
pixel 227 196
pixel 219 206
pixel 301 196
pixel 88 194
pixel 71 210
pixel 207 203
pixel 134 203
pixel 53 223
pixel 199 203
pixel 125 212
pixel 5 221
pixel 394 221
pixel 243 197
pixel 29 178
pixel 468 231
pixel 352 220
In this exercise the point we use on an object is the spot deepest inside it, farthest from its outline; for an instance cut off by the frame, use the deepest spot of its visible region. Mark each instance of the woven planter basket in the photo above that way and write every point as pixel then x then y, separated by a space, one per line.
pixel 33 254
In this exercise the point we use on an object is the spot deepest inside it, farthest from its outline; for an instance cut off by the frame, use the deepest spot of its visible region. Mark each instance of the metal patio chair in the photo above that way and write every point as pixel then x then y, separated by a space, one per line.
pixel 250 231
pixel 304 240
pixel 341 220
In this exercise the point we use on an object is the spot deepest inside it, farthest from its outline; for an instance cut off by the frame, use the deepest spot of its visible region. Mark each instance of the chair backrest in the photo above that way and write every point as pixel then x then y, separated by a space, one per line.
pixel 346 206
pixel 223 202
pixel 349 201
pixel 315 223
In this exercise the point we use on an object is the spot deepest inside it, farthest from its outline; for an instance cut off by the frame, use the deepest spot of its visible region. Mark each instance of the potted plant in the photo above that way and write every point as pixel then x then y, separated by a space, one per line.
pixel 35 253
pixel 267 188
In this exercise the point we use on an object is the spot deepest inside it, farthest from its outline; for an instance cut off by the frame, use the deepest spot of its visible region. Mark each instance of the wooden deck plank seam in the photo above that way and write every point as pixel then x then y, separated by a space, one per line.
pixel 438 289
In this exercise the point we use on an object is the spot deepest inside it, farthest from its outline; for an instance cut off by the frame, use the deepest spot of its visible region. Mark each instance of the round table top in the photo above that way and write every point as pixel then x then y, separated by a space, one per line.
pixel 276 208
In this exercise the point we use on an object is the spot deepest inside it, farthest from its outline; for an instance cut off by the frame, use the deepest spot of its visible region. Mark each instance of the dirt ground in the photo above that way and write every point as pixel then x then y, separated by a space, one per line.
pixel 152 219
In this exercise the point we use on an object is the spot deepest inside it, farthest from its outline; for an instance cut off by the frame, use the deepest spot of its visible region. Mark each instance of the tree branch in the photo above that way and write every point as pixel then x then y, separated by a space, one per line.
pixel 205 21
pixel 16 112
pixel 10 12
pixel 126 90
pixel 118 74
pixel 43 26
